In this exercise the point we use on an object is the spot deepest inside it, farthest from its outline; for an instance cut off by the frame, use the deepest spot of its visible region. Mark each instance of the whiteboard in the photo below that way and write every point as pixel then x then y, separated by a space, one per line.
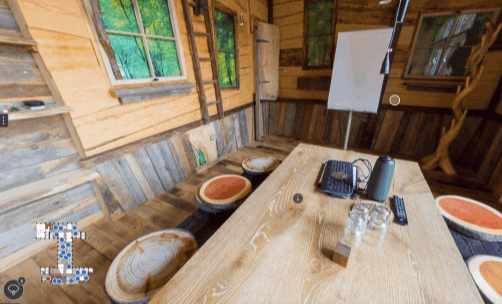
pixel 356 82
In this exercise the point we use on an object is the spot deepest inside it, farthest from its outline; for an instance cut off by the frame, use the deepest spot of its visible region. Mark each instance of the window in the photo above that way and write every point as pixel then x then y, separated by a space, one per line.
pixel 144 37
pixel 226 49
pixel 319 27
pixel 443 43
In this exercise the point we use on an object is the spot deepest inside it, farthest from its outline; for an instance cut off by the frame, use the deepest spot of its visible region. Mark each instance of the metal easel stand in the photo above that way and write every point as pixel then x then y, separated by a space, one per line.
pixel 348 131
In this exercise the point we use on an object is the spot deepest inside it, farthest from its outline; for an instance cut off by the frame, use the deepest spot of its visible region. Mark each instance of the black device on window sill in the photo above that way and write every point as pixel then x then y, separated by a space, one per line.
pixel 34 105
pixel 338 178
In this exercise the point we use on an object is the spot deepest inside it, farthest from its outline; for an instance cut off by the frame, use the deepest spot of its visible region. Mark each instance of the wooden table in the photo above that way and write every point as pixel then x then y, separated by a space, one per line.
pixel 272 250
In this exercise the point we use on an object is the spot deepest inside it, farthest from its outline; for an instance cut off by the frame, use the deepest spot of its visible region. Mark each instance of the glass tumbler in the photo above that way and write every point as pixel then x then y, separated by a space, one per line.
pixel 364 210
pixel 376 230
pixel 382 211
pixel 354 229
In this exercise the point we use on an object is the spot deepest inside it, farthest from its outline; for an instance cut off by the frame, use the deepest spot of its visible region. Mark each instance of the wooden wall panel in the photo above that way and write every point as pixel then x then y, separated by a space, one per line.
pixel 133 174
pixel 71 54
pixel 364 15
pixel 258 11
pixel 32 151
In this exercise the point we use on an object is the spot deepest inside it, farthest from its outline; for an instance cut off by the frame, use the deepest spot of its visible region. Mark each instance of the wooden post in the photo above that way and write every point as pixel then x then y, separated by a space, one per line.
pixel 348 131
pixel 258 89
pixel 441 157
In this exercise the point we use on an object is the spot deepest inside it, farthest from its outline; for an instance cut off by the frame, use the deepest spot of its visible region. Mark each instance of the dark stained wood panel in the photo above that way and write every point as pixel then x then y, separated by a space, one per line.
pixel 369 131
pixel 265 116
pixel 335 129
pixel 487 137
pixel 321 124
pixel 329 126
pixel 291 57
pixel 401 132
pixel 289 119
pixel 458 146
pixel 378 126
pixel 272 118
pixel 411 129
pixel 313 84
pixel 426 137
pixel 279 117
pixel 307 117
pixel 298 120
pixel 493 154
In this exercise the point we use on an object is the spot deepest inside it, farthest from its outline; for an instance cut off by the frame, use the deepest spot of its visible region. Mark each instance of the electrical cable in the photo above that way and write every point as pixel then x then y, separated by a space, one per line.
pixel 361 177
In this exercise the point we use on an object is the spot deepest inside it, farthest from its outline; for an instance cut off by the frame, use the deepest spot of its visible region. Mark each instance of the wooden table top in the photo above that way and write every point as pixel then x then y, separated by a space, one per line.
pixel 272 250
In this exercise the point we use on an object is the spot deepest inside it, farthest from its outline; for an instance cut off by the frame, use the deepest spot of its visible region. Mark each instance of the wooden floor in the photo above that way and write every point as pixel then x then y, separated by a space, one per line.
pixel 106 239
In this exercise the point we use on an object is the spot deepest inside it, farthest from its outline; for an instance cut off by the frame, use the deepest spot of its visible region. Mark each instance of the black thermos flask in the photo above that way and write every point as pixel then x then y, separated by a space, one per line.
pixel 381 179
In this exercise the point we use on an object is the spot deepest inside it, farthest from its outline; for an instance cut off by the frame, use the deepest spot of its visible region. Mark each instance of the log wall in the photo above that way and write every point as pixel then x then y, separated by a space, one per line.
pixel 32 151
pixel 70 51
pixel 352 15
pixel 138 172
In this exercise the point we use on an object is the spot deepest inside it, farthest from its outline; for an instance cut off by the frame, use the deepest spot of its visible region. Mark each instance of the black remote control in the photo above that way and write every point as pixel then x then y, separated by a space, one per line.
pixel 400 215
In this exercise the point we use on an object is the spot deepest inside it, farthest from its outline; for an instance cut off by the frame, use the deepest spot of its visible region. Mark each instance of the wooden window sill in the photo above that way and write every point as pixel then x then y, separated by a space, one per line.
pixel 142 93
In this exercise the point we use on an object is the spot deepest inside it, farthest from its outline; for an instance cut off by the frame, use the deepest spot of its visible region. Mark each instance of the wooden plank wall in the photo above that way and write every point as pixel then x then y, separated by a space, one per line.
pixel 477 152
pixel 362 15
pixel 33 150
pixel 258 13
pixel 136 173
pixel 70 51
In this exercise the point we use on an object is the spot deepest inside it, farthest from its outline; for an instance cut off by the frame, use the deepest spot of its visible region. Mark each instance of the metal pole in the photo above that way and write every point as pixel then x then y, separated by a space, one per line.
pixel 348 131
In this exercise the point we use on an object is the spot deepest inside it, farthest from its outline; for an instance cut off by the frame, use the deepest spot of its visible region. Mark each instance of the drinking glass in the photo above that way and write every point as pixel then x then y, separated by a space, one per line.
pixel 376 230
pixel 354 229
pixel 383 212
pixel 364 210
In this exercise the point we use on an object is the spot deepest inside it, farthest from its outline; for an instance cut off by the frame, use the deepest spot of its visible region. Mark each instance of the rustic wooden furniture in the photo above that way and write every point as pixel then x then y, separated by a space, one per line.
pixel 487 273
pixel 260 165
pixel 276 250
pixel 471 217
pixel 223 192
pixel 146 264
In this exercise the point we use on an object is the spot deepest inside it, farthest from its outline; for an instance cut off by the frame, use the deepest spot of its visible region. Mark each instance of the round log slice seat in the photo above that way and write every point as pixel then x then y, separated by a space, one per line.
pixel 260 165
pixel 471 218
pixel 147 264
pixel 223 192
pixel 486 271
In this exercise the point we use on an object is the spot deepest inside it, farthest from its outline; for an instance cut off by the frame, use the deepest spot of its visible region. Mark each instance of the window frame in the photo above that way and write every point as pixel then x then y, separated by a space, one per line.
pixel 406 75
pixel 305 37
pixel 143 36
pixel 236 43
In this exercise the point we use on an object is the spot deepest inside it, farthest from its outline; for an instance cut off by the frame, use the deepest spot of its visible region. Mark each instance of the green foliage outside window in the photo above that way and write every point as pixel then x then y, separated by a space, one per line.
pixel 130 54
pixel 155 17
pixel 118 15
pixel 130 51
pixel 225 41
pixel 319 22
